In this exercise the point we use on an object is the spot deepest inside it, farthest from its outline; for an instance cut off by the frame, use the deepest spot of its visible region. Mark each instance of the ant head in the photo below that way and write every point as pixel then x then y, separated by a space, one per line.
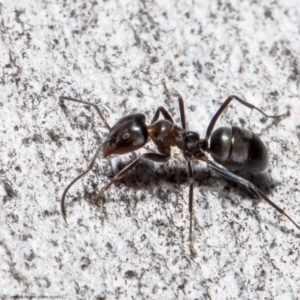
pixel 129 134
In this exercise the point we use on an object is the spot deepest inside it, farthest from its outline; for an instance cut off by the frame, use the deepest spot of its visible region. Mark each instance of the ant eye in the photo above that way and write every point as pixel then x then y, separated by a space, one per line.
pixel 125 136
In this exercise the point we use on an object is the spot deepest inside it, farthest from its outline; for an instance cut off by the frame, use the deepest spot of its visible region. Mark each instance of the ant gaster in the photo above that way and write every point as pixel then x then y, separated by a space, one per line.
pixel 235 148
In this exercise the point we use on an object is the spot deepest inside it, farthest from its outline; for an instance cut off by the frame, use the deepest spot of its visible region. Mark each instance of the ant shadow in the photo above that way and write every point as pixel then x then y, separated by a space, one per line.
pixel 148 178
pixel 161 181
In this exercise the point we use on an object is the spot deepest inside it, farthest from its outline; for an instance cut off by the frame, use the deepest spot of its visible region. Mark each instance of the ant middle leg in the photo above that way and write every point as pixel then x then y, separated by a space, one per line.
pixel 190 174
pixel 188 166
pixel 189 171
pixel 191 202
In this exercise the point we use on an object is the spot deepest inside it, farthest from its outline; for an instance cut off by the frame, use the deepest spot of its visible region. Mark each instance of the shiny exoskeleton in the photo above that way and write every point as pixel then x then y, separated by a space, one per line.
pixel 235 149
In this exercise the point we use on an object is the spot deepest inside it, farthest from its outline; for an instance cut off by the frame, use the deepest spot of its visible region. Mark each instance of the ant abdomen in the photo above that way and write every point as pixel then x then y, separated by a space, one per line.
pixel 238 149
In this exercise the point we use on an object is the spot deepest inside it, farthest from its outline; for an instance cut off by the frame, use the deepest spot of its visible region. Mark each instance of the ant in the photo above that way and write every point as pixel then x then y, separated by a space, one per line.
pixel 234 149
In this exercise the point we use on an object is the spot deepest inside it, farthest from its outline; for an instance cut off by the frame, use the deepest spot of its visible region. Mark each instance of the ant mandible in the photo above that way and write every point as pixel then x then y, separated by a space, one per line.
pixel 235 148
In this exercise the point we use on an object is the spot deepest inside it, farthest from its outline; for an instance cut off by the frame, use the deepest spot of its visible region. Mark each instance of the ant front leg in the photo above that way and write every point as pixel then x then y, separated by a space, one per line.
pixel 165 114
pixel 224 106
pixel 156 157
pixel 180 102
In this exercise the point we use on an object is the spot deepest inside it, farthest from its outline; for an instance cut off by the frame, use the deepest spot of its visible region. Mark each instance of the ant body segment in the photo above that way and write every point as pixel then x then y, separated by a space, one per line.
pixel 234 149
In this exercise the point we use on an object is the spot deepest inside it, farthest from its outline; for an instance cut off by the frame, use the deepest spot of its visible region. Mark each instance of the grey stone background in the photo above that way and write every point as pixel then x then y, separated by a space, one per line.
pixel 133 242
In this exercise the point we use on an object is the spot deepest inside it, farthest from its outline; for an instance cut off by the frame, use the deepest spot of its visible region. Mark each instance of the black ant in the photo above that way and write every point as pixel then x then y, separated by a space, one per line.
pixel 235 148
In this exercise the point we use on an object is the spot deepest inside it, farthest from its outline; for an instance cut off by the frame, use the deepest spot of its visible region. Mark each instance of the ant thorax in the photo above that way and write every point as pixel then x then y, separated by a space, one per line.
pixel 164 135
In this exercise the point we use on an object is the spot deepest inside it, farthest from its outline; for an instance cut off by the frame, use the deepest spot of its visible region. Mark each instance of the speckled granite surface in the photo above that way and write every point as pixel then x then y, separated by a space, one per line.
pixel 134 245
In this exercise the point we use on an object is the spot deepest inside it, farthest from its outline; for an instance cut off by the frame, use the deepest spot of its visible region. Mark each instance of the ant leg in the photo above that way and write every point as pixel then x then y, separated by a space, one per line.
pixel 190 174
pixel 151 156
pixel 180 102
pixel 164 113
pixel 250 186
pixel 181 109
pixel 89 168
pixel 61 98
pixel 156 157
pixel 191 201
pixel 189 169
pixel 224 106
